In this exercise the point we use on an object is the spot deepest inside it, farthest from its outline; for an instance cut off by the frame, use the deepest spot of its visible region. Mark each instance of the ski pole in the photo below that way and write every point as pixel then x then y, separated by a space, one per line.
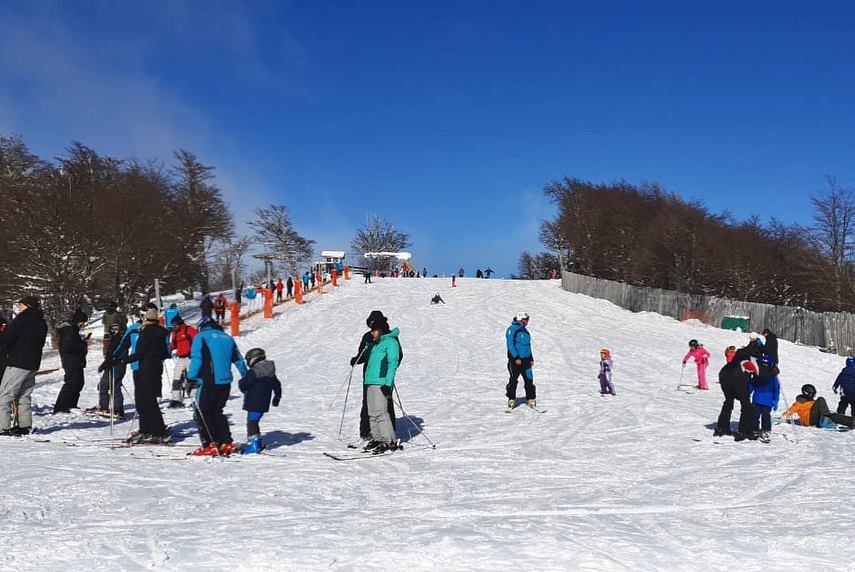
pixel 205 423
pixel 112 404
pixel 787 403
pixel 682 372
pixel 347 392
pixel 419 429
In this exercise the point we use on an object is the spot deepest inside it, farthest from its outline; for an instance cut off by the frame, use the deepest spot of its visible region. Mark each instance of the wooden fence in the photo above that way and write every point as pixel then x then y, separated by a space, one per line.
pixel 833 331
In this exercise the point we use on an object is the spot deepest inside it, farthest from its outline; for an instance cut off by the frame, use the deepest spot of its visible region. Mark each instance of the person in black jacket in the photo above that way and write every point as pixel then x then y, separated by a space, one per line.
pixel 207 306
pixel 24 340
pixel 152 348
pixel 72 352
pixel 770 347
pixel 735 377
pixel 3 325
pixel 363 352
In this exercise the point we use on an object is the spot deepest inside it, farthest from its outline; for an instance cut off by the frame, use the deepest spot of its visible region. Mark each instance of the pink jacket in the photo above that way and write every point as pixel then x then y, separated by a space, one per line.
pixel 700 354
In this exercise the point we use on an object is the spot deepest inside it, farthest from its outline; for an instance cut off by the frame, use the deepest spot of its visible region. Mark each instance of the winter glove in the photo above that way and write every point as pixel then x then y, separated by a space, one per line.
pixel 106 365
pixel 352 361
pixel 275 402
pixel 834 389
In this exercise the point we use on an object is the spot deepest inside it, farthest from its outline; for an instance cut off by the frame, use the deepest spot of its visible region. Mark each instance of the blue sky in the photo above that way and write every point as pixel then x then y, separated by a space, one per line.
pixel 446 118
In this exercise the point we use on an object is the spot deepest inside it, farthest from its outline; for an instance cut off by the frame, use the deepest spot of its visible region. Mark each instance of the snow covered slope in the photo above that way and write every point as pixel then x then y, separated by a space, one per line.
pixel 595 483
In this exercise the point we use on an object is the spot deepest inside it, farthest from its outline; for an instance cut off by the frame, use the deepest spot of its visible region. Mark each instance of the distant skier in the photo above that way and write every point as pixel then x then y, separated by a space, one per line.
pixel 607 387
pixel 461 272
pixel 258 386
pixel 289 288
pixel 765 392
pixel 437 299
pixel 488 272
pixel 520 360
pixel 702 360
pixel 280 287
pixel 111 316
pixel 453 281
pixel 180 343
pixel 220 304
pixel 211 357
pixel 169 316
pixel 366 275
pixel 845 384
pixel 813 411
pixel 207 306
pixel 73 347
pixel 250 294
pixel 479 274
pixel 770 346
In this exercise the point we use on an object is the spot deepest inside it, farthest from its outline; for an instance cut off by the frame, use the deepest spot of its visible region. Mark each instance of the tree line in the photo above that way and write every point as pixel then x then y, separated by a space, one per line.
pixel 646 236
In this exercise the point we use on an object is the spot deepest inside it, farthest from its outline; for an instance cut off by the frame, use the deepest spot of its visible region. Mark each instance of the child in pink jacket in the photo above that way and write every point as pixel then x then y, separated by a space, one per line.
pixel 702 360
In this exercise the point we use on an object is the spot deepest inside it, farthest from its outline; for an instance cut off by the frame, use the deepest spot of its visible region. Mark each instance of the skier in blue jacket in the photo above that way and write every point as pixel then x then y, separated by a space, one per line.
pixel 845 383
pixel 211 357
pixel 257 387
pixel 520 360
pixel 765 392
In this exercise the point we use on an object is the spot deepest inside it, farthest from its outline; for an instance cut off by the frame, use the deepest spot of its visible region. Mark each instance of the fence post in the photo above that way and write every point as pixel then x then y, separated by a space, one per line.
pixel 268 303
pixel 298 292
pixel 235 319
pixel 334 277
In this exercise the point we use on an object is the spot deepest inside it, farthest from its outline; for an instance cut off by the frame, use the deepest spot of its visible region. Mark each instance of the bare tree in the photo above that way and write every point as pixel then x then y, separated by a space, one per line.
pixel 275 231
pixel 833 230
pixel 378 235
pixel 231 258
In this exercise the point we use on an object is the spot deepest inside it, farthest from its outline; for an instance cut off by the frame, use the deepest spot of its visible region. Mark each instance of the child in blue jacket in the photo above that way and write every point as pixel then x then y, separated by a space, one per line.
pixel 845 382
pixel 257 386
pixel 766 390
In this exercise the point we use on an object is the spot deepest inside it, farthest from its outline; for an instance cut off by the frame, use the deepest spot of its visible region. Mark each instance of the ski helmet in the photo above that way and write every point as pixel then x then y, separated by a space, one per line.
pixel 605 353
pixel 254 356
pixel 521 316
pixel 809 391
pixel 693 343
pixel 850 361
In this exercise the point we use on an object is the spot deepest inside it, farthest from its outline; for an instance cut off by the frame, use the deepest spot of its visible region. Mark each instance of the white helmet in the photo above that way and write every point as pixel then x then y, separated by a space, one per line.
pixel 521 316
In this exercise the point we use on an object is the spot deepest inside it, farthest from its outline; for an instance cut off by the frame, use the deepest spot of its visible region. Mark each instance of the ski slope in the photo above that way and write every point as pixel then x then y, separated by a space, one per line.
pixel 595 483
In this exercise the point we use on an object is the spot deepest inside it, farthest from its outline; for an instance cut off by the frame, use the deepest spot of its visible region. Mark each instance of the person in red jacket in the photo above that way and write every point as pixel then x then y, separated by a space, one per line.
pixel 182 340
pixel 279 288
pixel 220 304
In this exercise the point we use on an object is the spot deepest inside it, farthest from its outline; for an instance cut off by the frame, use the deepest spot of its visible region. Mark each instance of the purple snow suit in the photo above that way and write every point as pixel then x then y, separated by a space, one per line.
pixel 606 385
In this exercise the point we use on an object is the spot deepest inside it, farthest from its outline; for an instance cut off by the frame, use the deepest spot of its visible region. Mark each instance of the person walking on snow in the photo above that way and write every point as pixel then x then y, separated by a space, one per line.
pixel 380 373
pixel 73 347
pixel 211 357
pixel 24 340
pixel 289 288
pixel 258 386
pixel 845 383
pixel 279 288
pixel 702 360
pixel 520 360
pixel 180 343
pixel 220 304
pixel 605 377
pixel 250 297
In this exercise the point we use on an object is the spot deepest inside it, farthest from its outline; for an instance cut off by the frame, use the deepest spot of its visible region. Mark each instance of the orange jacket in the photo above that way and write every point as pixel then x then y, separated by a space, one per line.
pixel 802 409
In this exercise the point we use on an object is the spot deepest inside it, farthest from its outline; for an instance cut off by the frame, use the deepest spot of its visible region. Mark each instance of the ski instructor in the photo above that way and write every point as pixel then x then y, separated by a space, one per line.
pixel 520 360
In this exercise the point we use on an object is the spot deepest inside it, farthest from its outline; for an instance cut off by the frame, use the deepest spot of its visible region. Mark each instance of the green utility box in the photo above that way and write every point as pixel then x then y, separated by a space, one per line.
pixel 735 323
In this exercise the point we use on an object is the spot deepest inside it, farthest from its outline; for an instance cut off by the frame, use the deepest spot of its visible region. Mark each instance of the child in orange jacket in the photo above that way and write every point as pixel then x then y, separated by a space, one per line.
pixel 813 411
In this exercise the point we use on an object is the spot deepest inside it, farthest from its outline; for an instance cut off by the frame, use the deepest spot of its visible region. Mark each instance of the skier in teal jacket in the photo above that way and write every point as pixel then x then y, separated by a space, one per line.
pixel 379 379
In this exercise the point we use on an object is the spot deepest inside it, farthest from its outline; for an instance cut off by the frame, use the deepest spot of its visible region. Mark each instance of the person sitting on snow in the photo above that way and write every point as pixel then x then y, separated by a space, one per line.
pixel 257 386
pixel 437 299
pixel 813 411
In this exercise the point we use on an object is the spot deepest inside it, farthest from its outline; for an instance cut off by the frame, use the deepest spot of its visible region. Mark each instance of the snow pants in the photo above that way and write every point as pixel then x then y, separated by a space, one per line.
pixel 365 421
pixel 820 410
pixel 213 426
pixel 178 376
pixel 761 418
pixel 378 414
pixel 69 394
pixel 846 401
pixel 524 370
pixel 606 385
pixel 146 392
pixel 17 389
pixel 252 423
pixel 735 391
pixel 104 393
pixel 702 375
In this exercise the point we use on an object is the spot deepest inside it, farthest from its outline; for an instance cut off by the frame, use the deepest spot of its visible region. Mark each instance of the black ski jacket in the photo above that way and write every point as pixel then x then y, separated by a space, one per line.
pixel 72 348
pixel 25 339
pixel 152 349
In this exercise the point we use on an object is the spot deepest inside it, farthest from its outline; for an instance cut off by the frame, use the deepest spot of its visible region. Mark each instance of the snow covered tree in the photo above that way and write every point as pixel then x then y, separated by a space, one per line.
pixel 378 235
pixel 536 267
pixel 275 231
pixel 231 257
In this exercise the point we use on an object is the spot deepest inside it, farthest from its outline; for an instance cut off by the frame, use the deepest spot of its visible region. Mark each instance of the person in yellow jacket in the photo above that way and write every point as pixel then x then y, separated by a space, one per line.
pixel 813 411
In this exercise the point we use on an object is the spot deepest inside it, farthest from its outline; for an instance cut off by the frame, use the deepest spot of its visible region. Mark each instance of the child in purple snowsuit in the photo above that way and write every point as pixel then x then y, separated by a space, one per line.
pixel 606 385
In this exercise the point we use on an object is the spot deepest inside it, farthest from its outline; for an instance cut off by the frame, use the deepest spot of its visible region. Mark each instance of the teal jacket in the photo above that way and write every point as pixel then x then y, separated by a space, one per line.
pixel 383 360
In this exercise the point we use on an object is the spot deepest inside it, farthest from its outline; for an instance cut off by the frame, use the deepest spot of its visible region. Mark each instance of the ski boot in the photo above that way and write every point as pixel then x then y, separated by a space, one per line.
pixel 754 435
pixel 371 445
pixel 765 437
pixel 21 431
pixel 174 404
pixel 209 450
pixel 136 438
pixel 386 447
pixel 226 449
pixel 721 432
pixel 253 445
pixel 512 403
pixel 531 403
pixel 737 436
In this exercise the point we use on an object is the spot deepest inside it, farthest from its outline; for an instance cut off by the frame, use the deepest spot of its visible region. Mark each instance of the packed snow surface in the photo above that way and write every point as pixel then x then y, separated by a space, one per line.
pixel 596 483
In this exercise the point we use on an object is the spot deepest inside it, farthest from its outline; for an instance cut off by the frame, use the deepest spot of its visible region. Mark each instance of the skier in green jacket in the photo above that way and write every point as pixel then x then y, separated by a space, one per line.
pixel 379 379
